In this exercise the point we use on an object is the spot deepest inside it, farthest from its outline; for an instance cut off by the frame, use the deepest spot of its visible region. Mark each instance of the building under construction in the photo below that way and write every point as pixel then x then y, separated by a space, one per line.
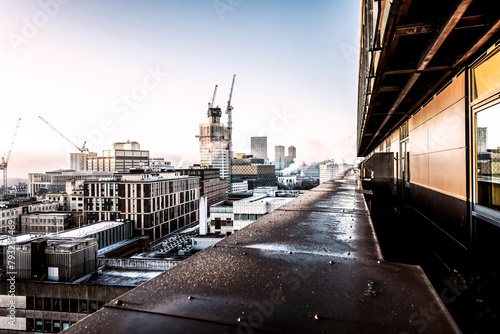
pixel 215 138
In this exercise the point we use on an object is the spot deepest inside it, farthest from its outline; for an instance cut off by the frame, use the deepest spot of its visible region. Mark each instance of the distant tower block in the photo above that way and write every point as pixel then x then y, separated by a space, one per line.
pixel 258 147
pixel 292 152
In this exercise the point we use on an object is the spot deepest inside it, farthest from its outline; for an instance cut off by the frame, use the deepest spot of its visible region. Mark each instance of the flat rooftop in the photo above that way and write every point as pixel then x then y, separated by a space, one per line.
pixel 123 276
pixel 89 229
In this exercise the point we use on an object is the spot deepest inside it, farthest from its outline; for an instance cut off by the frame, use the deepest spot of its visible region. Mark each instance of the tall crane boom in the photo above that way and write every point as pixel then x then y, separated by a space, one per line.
pixel 229 112
pixel 211 104
pixel 12 142
pixel 5 162
pixel 81 149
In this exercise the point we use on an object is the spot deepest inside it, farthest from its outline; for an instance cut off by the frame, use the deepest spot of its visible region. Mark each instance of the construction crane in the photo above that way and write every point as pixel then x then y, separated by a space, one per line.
pixel 229 112
pixel 81 149
pixel 5 162
pixel 211 104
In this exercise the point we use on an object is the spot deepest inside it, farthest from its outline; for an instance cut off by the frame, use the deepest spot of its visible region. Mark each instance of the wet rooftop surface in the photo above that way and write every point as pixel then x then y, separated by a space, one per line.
pixel 313 265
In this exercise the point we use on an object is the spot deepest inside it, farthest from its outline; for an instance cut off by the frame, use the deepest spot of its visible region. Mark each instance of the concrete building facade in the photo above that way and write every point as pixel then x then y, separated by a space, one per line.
pixel 212 186
pixel 158 203
pixel 49 222
pixel 258 147
pixel 229 216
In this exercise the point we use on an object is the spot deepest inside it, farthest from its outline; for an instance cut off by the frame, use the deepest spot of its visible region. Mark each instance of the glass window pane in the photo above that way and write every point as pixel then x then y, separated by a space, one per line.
pixel 30 303
pixel 65 305
pixel 47 304
pixel 488 157
pixel 56 304
pixel 74 305
pixel 486 76
pixel 56 326
pixel 38 325
pixel 48 325
pixel 93 306
pixel 38 303
pixel 83 306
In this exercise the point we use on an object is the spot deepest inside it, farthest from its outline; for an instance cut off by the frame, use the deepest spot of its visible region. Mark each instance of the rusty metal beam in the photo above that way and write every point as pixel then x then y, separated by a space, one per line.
pixel 430 27
pixel 415 29
pixel 448 25
pixel 413 70
pixel 494 28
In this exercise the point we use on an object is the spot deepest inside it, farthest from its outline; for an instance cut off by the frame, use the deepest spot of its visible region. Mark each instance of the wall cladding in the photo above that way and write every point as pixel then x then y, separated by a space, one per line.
pixel 438 160
pixel 437 142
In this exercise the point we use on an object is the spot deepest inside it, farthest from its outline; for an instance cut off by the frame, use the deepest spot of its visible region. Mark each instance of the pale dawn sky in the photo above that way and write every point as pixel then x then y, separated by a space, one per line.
pixel 108 71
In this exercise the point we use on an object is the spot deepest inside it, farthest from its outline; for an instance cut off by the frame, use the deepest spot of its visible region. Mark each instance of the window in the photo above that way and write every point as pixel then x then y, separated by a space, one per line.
pixel 30 325
pixel 56 304
pixel 486 76
pixel 30 303
pixel 56 326
pixel 65 324
pixel 73 305
pixel 38 303
pixel 488 157
pixel 38 325
pixel 48 325
pixel 83 306
pixel 47 305
pixel 92 306
pixel 65 305
pixel 100 304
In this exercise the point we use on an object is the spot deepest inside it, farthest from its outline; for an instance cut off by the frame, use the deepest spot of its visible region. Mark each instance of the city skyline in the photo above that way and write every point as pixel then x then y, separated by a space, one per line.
pixel 104 73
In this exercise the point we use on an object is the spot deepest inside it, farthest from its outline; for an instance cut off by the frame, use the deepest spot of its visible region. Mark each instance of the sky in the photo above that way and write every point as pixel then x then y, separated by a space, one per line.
pixel 109 71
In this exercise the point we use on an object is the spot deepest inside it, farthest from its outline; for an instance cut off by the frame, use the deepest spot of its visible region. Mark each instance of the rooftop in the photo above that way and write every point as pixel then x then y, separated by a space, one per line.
pixel 122 276
pixel 90 229
pixel 313 265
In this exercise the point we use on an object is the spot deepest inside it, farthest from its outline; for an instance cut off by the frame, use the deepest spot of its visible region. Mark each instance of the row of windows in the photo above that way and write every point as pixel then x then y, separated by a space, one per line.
pixel 6 221
pixel 45 228
pixel 9 213
pixel 47 325
pixel 46 220
pixel 238 216
pixel 63 304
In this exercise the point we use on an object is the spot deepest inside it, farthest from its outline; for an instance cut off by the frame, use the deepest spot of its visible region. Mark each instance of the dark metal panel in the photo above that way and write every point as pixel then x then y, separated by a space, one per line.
pixel 446 212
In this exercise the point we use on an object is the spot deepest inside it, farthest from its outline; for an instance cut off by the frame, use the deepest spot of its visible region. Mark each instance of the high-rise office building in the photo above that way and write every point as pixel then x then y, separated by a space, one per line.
pixel 279 157
pixel 214 144
pixel 122 158
pixel 292 152
pixel 259 147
